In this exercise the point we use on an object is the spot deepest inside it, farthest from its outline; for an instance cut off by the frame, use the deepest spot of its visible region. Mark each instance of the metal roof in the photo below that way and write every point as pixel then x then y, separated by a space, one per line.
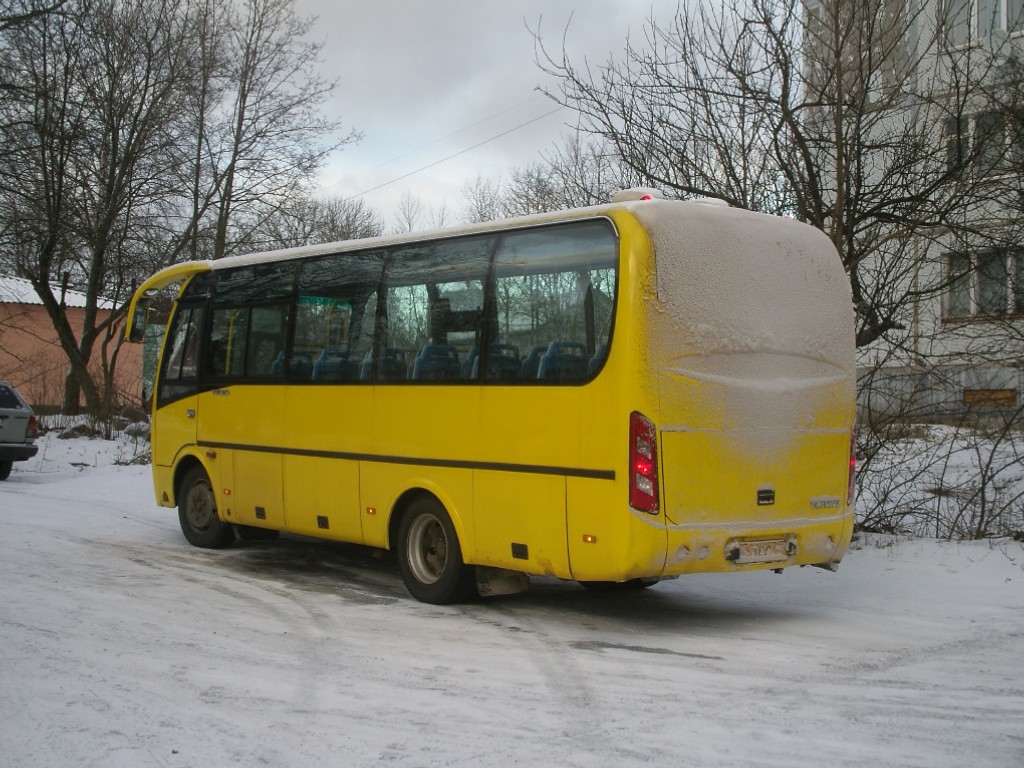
pixel 17 290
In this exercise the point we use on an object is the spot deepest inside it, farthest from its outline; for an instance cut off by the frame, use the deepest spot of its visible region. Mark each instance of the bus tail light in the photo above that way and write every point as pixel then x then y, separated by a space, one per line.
pixel 851 481
pixel 32 432
pixel 643 464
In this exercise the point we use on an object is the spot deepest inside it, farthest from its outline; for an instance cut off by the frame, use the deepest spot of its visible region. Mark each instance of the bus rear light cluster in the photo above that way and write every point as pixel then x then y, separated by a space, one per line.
pixel 643 464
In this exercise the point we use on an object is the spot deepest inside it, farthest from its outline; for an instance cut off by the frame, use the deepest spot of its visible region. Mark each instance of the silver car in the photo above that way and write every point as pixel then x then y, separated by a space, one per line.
pixel 18 429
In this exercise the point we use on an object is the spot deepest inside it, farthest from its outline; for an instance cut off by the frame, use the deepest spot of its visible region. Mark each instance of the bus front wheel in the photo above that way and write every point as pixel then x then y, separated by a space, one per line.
pixel 429 555
pixel 197 513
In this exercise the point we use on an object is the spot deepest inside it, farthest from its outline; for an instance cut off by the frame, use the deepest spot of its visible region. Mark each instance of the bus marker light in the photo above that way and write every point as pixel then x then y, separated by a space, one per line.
pixel 371 510
pixel 211 454
pixel 589 538
pixel 227 491
pixel 851 481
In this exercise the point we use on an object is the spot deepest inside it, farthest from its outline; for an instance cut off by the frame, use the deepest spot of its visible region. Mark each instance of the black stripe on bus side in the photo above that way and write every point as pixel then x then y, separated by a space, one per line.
pixel 533 469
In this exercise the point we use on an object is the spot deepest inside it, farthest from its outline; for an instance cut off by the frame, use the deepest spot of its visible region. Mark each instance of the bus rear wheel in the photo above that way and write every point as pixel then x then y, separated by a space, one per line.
pixel 197 513
pixel 429 555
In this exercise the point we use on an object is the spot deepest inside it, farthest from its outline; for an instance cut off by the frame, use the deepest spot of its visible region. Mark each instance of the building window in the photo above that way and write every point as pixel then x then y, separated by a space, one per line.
pixel 955 137
pixel 955 18
pixel 965 20
pixel 1014 15
pixel 987 143
pixel 985 284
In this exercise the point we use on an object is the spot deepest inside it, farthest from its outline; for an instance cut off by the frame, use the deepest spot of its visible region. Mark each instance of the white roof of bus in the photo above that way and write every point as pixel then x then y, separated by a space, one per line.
pixel 410 237
pixel 691 209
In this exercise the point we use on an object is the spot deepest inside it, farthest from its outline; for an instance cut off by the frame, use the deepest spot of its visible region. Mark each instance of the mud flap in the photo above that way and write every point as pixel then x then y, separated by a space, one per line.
pixel 491 582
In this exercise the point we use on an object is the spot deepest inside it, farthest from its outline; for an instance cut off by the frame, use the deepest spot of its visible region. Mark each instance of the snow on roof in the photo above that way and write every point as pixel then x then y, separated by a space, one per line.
pixel 17 290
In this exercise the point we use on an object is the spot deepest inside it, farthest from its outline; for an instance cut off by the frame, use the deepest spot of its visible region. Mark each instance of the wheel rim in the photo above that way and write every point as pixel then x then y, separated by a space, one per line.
pixel 200 511
pixel 428 549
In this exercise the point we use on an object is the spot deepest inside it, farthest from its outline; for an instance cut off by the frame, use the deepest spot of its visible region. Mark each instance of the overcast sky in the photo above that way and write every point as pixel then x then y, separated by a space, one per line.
pixel 426 79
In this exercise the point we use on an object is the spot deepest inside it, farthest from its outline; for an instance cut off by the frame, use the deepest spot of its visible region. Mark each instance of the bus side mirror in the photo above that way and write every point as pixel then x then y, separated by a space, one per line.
pixel 137 331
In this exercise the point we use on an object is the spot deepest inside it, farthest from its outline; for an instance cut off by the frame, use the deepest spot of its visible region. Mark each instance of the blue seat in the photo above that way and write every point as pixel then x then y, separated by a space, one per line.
pixel 469 364
pixel 301 366
pixel 503 363
pixel 277 367
pixel 528 370
pixel 436 362
pixel 598 359
pixel 564 361
pixel 392 365
pixel 334 365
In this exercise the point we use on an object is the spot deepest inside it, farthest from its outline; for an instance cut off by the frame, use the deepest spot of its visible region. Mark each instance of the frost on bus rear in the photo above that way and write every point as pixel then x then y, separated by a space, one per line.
pixel 614 395
pixel 754 347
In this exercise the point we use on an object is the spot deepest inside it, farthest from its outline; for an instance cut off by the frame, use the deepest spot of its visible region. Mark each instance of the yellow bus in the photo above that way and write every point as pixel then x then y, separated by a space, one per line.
pixel 614 395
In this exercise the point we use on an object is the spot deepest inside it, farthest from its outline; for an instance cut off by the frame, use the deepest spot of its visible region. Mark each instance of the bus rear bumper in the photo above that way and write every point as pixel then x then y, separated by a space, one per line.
pixel 745 547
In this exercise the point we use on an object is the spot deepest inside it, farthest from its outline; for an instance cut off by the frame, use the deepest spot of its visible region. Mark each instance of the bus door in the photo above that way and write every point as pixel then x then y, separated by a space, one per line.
pixel 177 404
pixel 242 421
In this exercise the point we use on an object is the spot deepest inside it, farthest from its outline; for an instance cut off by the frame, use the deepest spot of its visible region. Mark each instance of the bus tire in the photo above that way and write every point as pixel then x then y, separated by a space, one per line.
pixel 429 555
pixel 197 513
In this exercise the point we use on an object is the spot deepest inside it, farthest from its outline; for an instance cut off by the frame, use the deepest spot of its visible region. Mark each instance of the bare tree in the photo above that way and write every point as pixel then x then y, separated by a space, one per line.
pixel 409 213
pixel 138 131
pixel 481 200
pixel 831 111
pixel 14 13
pixel 274 139
pixel 84 136
pixel 310 220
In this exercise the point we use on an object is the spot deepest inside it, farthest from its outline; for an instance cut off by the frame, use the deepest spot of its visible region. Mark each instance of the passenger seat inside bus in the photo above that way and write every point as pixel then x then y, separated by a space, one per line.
pixel 300 366
pixel 503 363
pixel 392 366
pixel 469 365
pixel 564 361
pixel 531 363
pixel 335 365
pixel 436 361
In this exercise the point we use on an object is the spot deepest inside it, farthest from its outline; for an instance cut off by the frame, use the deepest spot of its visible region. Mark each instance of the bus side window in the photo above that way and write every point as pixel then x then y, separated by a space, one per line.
pixel 179 374
pixel 225 352
pixel 267 329
pixel 555 296
pixel 435 306
pixel 335 316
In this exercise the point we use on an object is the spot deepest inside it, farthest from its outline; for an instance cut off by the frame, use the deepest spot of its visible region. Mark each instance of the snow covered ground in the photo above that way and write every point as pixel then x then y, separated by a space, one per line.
pixel 120 645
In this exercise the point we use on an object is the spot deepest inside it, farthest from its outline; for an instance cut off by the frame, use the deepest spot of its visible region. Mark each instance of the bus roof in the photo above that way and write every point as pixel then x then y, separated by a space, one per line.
pixel 624 201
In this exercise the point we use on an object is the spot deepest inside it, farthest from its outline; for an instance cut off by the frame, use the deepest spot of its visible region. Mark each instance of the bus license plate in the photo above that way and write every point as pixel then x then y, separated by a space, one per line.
pixel 762 551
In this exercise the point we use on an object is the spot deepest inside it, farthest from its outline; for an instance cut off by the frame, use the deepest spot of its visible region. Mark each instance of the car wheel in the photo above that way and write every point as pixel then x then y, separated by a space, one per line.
pixel 5 469
pixel 197 513
pixel 429 555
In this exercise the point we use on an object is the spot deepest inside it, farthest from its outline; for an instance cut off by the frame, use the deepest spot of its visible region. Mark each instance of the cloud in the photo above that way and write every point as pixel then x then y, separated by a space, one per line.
pixel 426 80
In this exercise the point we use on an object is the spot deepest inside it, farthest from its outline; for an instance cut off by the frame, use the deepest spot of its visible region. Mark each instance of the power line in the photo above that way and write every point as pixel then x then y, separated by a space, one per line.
pixel 457 131
pixel 454 154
